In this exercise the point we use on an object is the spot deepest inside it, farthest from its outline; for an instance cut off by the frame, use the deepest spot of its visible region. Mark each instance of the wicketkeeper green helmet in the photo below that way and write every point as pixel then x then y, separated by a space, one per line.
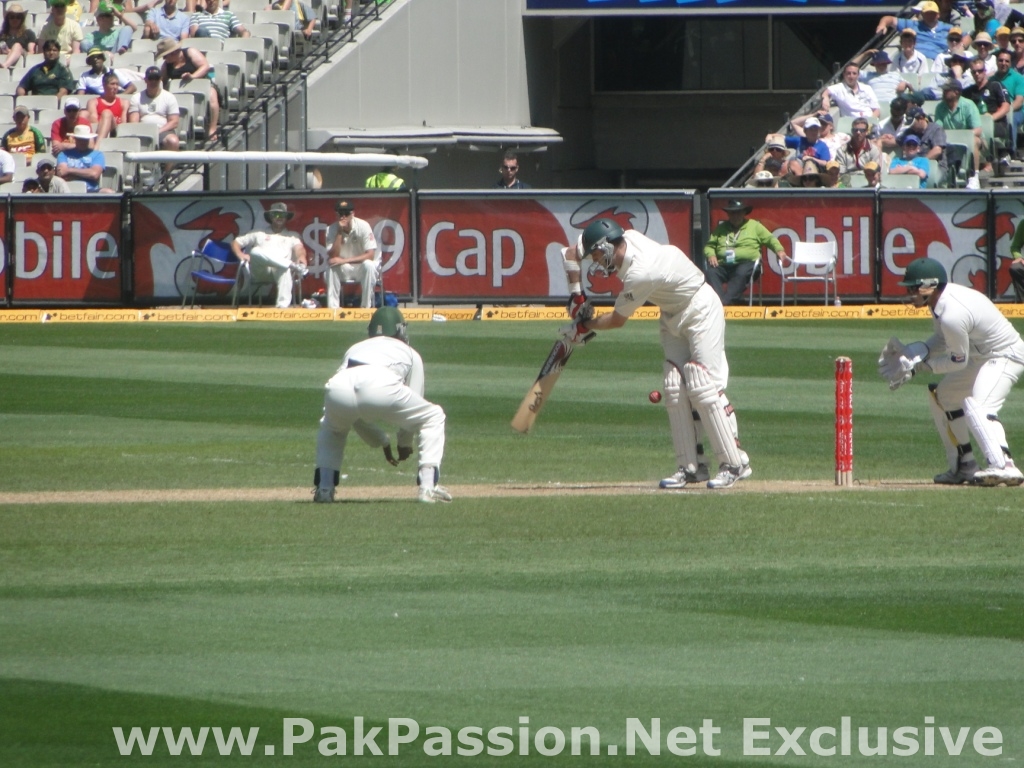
pixel 924 272
pixel 388 321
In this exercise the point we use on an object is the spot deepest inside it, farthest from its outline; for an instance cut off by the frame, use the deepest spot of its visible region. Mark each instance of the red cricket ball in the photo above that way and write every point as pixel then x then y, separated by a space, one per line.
pixel 655 396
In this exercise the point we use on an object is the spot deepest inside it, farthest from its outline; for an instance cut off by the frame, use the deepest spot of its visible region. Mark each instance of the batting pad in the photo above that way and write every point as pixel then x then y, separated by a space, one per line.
pixel 951 427
pixel 988 431
pixel 680 419
pixel 711 406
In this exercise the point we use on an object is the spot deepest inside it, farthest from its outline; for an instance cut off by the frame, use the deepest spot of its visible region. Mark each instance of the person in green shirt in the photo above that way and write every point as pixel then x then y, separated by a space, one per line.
pixel 958 114
pixel 733 249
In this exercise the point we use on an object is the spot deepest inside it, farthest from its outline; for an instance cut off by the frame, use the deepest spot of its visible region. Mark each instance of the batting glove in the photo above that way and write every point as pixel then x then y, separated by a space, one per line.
pixel 579 307
pixel 576 333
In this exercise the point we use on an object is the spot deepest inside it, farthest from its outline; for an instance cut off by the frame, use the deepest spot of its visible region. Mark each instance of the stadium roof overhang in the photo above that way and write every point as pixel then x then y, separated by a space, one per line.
pixel 428 139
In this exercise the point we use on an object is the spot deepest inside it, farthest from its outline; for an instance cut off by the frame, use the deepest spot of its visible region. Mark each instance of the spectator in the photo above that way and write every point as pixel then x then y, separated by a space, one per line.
pixel 31 187
pixel 858 150
pixel 830 176
pixel 63 128
pixel 883 81
pixel 91 81
pixel 733 249
pixel 108 38
pixel 809 176
pixel 276 255
pixel 910 161
pixel 991 98
pixel 985 21
pixel 930 135
pixel 949 66
pixel 167 21
pixel 827 135
pixel 305 20
pixel 158 107
pixel 873 175
pixel 949 13
pixel 1016 48
pixel 16 39
pixel 509 171
pixel 853 98
pixel 108 110
pixel 931 33
pixel 82 163
pixel 808 145
pixel 909 59
pixel 777 152
pixel 190 64
pixel 386 178
pixel 892 130
pixel 49 182
pixel 216 22
pixel 7 166
pixel 23 139
pixel 983 50
pixel 763 180
pixel 1002 39
pixel 351 255
pixel 1013 82
pixel 957 114
pixel 66 31
pixel 49 77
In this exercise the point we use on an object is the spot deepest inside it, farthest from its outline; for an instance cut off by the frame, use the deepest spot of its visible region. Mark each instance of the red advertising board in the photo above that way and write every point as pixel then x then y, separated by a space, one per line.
pixel 485 247
pixel 166 229
pixel 67 251
pixel 951 228
pixel 845 219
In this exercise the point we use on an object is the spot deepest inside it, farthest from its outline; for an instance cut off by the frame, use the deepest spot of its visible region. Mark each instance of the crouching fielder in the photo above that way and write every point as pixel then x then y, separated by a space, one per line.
pixel 380 380
pixel 692 337
pixel 982 356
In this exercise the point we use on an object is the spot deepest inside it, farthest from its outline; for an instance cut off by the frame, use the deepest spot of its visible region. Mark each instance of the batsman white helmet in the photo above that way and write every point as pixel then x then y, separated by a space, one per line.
pixel 599 242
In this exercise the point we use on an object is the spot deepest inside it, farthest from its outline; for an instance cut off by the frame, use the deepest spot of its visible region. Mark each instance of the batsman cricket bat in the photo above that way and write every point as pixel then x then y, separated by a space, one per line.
pixel 538 394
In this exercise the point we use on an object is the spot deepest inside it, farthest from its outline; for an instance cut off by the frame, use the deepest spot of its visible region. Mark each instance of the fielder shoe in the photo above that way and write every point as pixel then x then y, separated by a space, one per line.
pixel 727 476
pixel 323 496
pixel 964 473
pixel 992 476
pixel 682 478
pixel 437 493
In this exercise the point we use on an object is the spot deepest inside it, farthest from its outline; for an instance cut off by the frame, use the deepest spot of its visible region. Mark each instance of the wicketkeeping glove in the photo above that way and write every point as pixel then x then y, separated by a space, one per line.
pixel 579 307
pixel 576 334
pixel 390 457
pixel 404 452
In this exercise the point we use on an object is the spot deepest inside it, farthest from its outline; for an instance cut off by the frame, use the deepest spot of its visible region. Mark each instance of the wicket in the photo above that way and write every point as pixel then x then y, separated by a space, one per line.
pixel 844 421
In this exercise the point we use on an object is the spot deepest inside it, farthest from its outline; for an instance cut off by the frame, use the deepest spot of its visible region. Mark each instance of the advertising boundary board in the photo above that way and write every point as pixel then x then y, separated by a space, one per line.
pixel 499 249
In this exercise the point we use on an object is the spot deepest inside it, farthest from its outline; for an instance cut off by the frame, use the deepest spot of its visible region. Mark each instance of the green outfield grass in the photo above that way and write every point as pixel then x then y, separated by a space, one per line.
pixel 883 606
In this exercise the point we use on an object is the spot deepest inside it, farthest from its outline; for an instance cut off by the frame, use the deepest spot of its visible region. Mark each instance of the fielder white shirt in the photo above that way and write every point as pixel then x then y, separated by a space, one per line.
pixel 277 249
pixel 355 243
pixel 968 324
pixel 387 352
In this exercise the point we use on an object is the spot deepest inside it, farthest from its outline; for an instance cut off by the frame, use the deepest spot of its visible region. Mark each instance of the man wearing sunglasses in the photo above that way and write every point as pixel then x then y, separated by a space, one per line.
pixel 157 106
pixel 351 255
pixel 510 172
pixel 858 151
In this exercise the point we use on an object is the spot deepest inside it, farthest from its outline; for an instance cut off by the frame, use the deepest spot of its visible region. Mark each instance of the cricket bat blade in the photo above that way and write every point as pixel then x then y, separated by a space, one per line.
pixel 538 394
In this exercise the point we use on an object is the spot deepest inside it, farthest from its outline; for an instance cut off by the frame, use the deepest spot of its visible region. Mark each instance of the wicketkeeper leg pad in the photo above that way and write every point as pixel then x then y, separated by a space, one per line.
pixel 989 432
pixel 680 419
pixel 952 429
pixel 715 414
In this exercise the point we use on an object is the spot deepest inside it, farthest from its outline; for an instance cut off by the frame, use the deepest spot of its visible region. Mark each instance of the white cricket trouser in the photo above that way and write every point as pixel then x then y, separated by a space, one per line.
pixel 988 382
pixel 697 334
pixel 364 272
pixel 267 268
pixel 359 397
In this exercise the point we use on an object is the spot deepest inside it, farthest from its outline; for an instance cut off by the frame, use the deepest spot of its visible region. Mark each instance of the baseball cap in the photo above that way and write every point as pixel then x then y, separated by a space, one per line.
pixel 58 2
pixel 881 58
pixel 45 162
pixel 21 110
pixel 832 165
pixel 1004 30
pixel 911 138
pixel 929 7
pixel 72 103
pixel 955 32
pixel 812 122
pixel 870 165
pixel 104 10
pixel 952 85
pixel 915 112
pixel 344 206
pixel 826 118
pixel 152 72
pixel 899 103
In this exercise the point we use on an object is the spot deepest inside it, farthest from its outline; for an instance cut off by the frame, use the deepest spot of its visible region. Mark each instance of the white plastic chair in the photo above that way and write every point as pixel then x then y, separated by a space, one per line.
pixel 755 277
pixel 818 261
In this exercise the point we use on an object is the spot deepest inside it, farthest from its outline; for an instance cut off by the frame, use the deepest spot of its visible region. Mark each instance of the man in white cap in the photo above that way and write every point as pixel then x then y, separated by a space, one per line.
pixel 275 254
pixel 82 163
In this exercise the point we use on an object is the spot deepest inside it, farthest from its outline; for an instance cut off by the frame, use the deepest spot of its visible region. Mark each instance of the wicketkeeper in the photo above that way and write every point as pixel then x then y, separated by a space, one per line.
pixel 692 337
pixel 982 356
pixel 381 380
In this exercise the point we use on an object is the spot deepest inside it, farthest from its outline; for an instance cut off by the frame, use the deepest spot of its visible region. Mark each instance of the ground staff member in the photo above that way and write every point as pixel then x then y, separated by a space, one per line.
pixel 380 380
pixel 982 356
pixel 692 336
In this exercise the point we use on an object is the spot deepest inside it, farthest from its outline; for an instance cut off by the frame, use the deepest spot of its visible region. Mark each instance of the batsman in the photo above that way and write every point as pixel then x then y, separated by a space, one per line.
pixel 982 357
pixel 692 337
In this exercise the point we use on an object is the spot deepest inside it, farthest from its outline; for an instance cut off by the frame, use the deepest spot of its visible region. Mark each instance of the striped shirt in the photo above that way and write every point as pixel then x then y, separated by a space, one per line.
pixel 220 25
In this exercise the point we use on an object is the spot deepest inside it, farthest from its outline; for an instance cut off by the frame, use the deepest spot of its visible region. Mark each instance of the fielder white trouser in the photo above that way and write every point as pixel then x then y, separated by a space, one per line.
pixel 265 268
pixel 364 272
pixel 987 383
pixel 357 398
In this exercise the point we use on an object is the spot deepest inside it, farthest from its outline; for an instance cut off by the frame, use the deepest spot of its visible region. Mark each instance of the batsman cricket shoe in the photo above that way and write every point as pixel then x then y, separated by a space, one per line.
pixel 435 494
pixel 964 473
pixel 323 496
pixel 682 478
pixel 727 476
pixel 992 476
